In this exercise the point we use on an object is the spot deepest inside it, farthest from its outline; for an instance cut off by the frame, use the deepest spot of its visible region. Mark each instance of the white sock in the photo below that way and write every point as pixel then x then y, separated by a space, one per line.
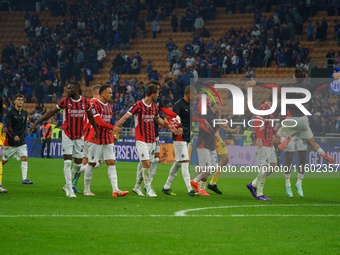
pixel 153 168
pixel 82 168
pixel 112 173
pixel 139 178
pixel 202 185
pixel 198 178
pixel 97 165
pixel 68 174
pixel 260 182
pixel 24 169
pixel 320 151
pixel 75 170
pixel 254 182
pixel 87 178
pixel 299 178
pixel 186 175
pixel 287 178
pixel 172 174
pixel 146 178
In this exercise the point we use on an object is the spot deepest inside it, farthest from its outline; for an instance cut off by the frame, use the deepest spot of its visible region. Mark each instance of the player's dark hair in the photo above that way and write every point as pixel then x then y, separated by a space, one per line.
pixel 17 96
pixel 95 88
pixel 154 83
pixel 299 73
pixel 188 89
pixel 103 88
pixel 151 89
pixel 75 84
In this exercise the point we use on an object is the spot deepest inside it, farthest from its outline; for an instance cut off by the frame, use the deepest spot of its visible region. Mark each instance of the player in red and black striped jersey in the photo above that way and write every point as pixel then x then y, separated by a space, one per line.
pixel 75 107
pixel 103 147
pixel 145 114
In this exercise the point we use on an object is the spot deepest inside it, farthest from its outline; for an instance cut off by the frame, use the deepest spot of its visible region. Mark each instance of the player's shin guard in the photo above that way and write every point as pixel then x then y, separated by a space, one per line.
pixel 287 178
pixel 139 178
pixel 146 177
pixel 299 178
pixel 186 175
pixel 172 175
pixel 112 173
pixel 68 174
pixel 261 179
pixel 75 171
pixel 153 168
pixel 24 170
pixel 87 178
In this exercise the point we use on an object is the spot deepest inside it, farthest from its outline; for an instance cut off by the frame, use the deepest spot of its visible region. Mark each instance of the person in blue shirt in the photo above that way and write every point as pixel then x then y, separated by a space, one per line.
pixel 87 73
pixel 188 48
pixel 170 45
pixel 310 32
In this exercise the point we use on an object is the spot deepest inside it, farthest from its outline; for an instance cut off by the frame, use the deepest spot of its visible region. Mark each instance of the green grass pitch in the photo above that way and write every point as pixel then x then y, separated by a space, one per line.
pixel 123 225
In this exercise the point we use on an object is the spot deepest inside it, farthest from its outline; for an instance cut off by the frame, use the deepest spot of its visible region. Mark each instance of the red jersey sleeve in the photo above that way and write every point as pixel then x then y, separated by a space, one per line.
pixel 87 104
pixel 62 103
pixel 134 109
pixel 168 112
pixel 96 109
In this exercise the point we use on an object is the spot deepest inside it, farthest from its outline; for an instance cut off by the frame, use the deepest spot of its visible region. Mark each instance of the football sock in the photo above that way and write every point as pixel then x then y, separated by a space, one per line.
pixel 153 168
pixel 139 178
pixel 82 168
pixel 24 170
pixel 254 182
pixel 320 151
pixel 172 174
pixel 202 186
pixel 68 174
pixel 260 182
pixel 97 165
pixel 112 173
pixel 87 178
pixel 287 178
pixel 198 178
pixel 299 178
pixel 75 170
pixel 146 178
pixel 215 177
pixel 186 175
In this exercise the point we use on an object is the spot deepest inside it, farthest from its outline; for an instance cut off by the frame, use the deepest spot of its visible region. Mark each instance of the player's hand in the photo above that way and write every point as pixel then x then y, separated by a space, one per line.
pixel 251 83
pixel 115 135
pixel 43 138
pixel 217 138
pixel 207 124
pixel 117 130
pixel 259 142
pixel 235 131
pixel 16 138
pixel 276 139
pixel 173 129
pixel 31 129
pixel 336 75
pixel 95 137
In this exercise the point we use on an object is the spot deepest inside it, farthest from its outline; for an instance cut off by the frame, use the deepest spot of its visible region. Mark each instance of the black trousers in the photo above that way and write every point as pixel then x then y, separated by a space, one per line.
pixel 46 142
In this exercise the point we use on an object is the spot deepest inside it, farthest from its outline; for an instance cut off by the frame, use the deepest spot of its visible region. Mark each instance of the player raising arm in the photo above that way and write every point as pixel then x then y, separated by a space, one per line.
pixel 75 107
pixel 145 113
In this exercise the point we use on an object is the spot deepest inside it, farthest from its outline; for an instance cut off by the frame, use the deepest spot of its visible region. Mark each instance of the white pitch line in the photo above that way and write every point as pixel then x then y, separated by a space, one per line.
pixel 144 216
pixel 183 212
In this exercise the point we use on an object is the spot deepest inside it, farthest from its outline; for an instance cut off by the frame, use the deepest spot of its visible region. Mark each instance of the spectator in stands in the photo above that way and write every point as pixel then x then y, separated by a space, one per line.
pixel 310 32
pixel 87 73
pixel 141 26
pixel 318 34
pixel 174 23
pixel 324 28
pixel 118 63
pixel 149 69
pixel 155 28
pixel 183 23
pixel 170 46
pixel 113 78
pixel 199 23
pixel 101 55
pixel 250 73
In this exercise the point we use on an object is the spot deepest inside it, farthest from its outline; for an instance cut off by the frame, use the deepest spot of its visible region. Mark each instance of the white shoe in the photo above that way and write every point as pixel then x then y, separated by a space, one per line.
pixel 289 191
pixel 71 193
pixel 88 193
pixel 138 191
pixel 151 193
pixel 68 192
pixel 299 190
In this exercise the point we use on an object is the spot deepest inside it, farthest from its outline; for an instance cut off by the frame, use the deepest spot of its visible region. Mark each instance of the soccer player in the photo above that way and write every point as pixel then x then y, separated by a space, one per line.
pixel 161 107
pixel 299 145
pixel 145 113
pixel 87 129
pixel 206 149
pixel 181 140
pixel 103 147
pixel 75 107
pixel 15 144
pixel 264 151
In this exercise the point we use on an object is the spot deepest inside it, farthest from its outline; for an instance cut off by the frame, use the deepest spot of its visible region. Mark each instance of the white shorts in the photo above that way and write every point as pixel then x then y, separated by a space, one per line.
pixel 301 130
pixel 14 152
pixel 72 147
pixel 296 144
pixel 265 155
pixel 158 145
pixel 207 158
pixel 181 150
pixel 86 149
pixel 146 151
pixel 98 152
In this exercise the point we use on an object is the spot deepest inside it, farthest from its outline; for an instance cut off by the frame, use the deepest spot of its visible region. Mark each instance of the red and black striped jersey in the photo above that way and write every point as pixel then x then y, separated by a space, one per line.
pixel 263 128
pixel 144 121
pixel 105 113
pixel 87 124
pixel 73 116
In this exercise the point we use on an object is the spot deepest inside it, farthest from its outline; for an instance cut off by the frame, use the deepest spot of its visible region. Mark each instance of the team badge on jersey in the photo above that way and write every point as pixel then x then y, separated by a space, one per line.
pixel 94 111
